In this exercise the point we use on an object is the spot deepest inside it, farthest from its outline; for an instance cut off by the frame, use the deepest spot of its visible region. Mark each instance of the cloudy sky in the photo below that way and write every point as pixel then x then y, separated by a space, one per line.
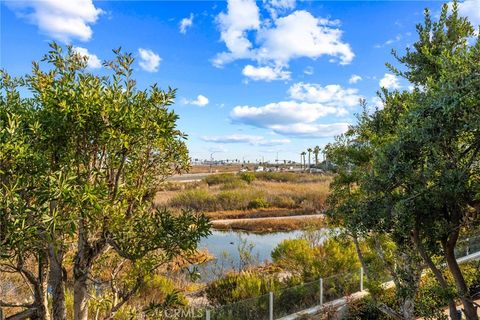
pixel 254 78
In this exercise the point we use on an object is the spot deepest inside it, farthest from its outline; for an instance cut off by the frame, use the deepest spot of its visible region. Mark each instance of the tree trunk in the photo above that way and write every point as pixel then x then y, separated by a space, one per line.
pixel 40 290
pixel 360 255
pixel 80 297
pixel 26 314
pixel 409 273
pixel 57 283
pixel 436 272
pixel 468 306
pixel 87 252
pixel 408 309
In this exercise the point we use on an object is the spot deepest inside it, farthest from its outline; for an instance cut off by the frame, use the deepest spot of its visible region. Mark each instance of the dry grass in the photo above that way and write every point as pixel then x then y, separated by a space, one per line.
pixel 272 225
pixel 303 194
pixel 308 196
pixel 256 213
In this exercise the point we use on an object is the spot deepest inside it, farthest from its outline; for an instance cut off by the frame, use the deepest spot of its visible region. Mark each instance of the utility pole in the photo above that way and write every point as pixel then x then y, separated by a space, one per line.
pixel 211 160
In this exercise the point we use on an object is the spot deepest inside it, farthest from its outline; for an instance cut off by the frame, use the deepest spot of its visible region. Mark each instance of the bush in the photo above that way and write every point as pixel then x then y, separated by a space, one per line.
pixel 364 308
pixel 248 177
pixel 231 185
pixel 277 176
pixel 258 203
pixel 232 200
pixel 196 199
pixel 333 256
pixel 284 201
pixel 222 178
pixel 239 286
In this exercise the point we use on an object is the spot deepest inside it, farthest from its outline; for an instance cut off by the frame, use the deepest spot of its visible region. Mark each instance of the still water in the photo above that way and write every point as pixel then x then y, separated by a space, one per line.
pixel 226 247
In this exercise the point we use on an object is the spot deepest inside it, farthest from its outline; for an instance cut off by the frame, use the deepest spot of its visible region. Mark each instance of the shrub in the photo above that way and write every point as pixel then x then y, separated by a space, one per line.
pixel 231 185
pixel 196 199
pixel 248 177
pixel 239 286
pixel 222 178
pixel 284 201
pixel 331 257
pixel 258 203
pixel 364 308
pixel 277 176
pixel 232 200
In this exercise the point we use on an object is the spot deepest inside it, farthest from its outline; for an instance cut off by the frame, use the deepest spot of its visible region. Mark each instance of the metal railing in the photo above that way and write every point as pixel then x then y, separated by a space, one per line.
pixel 286 301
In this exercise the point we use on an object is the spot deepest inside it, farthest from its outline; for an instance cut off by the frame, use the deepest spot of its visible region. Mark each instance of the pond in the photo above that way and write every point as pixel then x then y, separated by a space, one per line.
pixel 227 246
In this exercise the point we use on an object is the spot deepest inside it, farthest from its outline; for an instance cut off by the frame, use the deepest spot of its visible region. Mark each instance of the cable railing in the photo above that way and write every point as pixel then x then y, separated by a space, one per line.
pixel 316 294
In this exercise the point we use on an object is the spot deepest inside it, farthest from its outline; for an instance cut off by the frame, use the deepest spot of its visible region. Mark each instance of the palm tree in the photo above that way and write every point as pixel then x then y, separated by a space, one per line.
pixel 309 152
pixel 302 159
pixel 316 151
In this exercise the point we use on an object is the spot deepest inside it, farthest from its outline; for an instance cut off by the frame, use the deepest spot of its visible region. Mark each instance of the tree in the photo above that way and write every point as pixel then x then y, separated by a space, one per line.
pixel 108 146
pixel 437 156
pixel 363 217
pixel 316 152
pixel 421 182
pixel 22 232
pixel 302 160
pixel 309 152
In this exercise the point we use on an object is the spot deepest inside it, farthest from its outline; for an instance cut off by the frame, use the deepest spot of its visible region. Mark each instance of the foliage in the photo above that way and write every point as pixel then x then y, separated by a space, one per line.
pixel 258 203
pixel 82 160
pixel 221 178
pixel 410 170
pixel 333 256
pixel 248 177
pixel 237 194
pixel 238 286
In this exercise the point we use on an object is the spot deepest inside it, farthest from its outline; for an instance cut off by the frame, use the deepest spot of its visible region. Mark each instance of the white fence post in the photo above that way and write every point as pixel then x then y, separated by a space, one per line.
pixel 207 314
pixel 361 279
pixel 321 292
pixel 270 309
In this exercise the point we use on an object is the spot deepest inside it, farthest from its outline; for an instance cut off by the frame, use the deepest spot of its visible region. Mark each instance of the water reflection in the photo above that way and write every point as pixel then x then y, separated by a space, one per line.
pixel 236 250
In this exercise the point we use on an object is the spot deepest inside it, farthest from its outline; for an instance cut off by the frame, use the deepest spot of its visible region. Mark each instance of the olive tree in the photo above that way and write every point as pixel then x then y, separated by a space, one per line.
pixel 421 182
pixel 106 147
pixel 23 237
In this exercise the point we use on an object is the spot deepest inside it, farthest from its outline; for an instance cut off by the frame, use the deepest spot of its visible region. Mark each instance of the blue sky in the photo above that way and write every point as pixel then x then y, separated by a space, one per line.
pixel 254 78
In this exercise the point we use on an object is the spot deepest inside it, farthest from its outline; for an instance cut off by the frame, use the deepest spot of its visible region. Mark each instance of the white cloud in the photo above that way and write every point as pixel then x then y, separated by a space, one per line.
pixel 274 142
pixel 302 35
pixel 296 35
pixel 284 112
pixel 282 4
pixel 308 70
pixel 377 103
pixel 300 116
pixel 241 16
pixel 200 101
pixel 312 130
pixel 186 23
pixel 149 60
pixel 276 7
pixel 93 62
pixel 61 20
pixel 354 78
pixel 389 81
pixel 469 9
pixel 245 138
pixel 397 38
pixel 265 73
pixel 332 95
